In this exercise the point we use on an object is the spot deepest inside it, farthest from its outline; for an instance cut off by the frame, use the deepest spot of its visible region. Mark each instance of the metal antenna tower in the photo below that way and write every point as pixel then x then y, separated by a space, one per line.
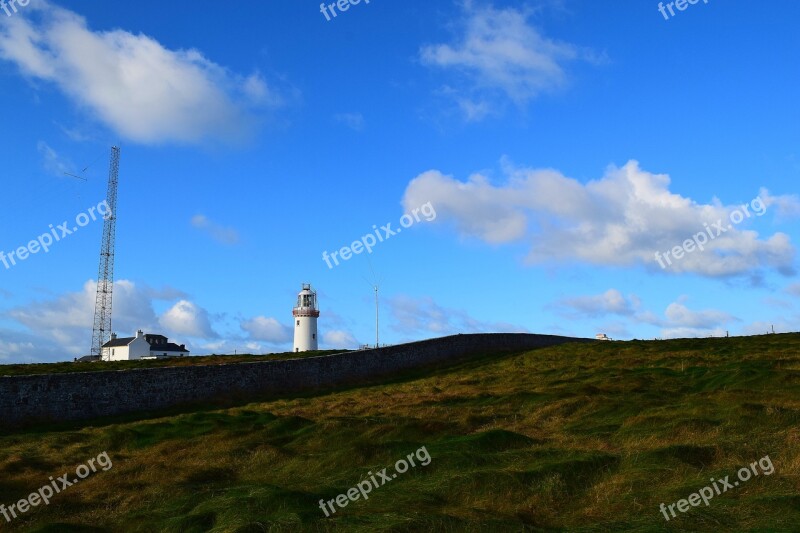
pixel 105 276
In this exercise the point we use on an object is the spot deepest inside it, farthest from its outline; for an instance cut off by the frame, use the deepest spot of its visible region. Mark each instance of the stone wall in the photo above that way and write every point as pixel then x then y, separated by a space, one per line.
pixel 26 400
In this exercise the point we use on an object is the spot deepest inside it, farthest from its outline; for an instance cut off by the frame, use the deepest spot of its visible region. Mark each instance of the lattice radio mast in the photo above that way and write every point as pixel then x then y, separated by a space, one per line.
pixel 105 276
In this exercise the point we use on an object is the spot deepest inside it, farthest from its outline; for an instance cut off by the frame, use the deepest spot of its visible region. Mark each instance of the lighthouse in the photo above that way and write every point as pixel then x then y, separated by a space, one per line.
pixel 305 320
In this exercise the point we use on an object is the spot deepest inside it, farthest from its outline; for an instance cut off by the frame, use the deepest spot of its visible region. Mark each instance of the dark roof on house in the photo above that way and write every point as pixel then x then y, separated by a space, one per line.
pixel 168 347
pixel 162 346
pixel 87 359
pixel 124 341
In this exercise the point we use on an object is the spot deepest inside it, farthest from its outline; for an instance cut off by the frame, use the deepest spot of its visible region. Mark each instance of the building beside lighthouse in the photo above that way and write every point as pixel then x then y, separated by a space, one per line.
pixel 305 320
pixel 142 346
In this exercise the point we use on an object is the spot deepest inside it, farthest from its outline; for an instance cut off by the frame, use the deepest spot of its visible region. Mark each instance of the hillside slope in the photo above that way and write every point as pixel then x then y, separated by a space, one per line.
pixel 569 438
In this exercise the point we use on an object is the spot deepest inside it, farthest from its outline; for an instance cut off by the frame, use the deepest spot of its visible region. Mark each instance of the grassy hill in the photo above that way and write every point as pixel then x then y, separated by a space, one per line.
pixel 569 438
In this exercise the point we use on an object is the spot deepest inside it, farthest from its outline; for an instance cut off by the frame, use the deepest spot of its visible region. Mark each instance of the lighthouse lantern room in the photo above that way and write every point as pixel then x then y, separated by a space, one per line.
pixel 305 320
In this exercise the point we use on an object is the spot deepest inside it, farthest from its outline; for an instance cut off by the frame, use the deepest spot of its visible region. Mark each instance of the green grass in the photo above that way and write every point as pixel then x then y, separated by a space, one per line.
pixel 570 438
pixel 64 368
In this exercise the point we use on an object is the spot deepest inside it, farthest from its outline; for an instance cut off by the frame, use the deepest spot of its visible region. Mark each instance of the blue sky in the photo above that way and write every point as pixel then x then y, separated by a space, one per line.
pixel 560 144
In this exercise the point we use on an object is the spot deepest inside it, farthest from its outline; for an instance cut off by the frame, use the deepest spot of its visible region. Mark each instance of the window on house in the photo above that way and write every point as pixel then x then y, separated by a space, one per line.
pixel 313 335
pixel 112 351
pixel 298 322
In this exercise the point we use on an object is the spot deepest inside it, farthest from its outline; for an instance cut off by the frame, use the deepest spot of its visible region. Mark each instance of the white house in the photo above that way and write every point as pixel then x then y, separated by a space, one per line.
pixel 142 346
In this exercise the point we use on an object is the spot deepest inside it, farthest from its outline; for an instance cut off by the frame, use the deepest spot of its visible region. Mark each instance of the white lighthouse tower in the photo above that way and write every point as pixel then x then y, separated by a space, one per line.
pixel 305 320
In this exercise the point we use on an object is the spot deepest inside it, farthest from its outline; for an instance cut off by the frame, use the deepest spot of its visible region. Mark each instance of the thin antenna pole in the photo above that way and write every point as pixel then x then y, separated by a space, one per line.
pixel 375 285
pixel 377 338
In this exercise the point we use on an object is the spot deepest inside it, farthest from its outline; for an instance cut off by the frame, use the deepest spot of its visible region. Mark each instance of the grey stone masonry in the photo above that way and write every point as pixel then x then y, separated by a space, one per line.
pixel 26 400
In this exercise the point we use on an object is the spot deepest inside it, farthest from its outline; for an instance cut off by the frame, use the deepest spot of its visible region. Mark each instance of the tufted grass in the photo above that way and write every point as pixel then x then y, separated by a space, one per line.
pixel 568 438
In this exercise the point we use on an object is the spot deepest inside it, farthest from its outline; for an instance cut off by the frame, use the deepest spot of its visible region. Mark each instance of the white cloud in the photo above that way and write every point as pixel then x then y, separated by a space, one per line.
pixel 276 333
pixel 678 315
pixel 677 320
pixel 499 50
pixel 793 289
pixel 680 322
pixel 762 327
pixel 61 328
pixel 53 163
pixel 615 330
pixel 610 302
pixel 187 318
pixel 143 91
pixel 691 333
pixel 787 206
pixel 335 339
pixel 74 134
pixel 219 233
pixel 15 349
pixel 621 219
pixel 229 346
pixel 23 347
pixel 267 329
pixel 474 111
pixel 419 316
pixel 354 121
pixel 68 319
pixel 476 207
